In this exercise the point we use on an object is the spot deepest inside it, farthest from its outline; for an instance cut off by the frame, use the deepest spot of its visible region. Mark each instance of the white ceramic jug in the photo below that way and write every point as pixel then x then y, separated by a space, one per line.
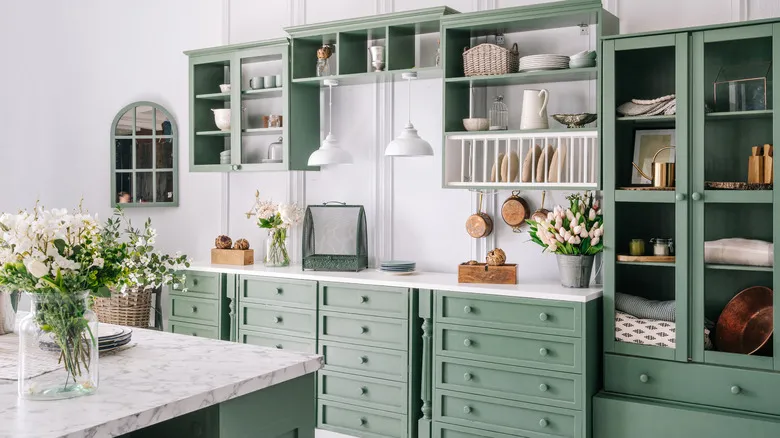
pixel 534 114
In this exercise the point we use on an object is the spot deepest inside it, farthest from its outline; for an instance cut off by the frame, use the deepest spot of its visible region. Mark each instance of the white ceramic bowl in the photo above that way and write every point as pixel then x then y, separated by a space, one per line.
pixel 222 119
pixel 225 88
pixel 476 124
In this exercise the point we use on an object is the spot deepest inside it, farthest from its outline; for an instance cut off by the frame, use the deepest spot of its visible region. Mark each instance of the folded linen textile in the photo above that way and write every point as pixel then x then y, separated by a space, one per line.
pixel 739 252
pixel 644 308
pixel 646 331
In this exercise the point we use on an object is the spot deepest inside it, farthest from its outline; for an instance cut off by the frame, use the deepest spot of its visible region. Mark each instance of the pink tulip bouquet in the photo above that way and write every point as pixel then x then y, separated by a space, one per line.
pixel 576 230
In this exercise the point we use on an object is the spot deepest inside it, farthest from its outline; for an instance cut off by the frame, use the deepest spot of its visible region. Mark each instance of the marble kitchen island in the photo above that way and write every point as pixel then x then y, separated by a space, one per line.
pixel 170 385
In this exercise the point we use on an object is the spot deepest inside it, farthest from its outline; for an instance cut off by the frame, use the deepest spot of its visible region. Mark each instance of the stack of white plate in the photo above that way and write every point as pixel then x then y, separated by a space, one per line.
pixel 397 267
pixel 224 157
pixel 584 59
pixel 544 61
pixel 113 337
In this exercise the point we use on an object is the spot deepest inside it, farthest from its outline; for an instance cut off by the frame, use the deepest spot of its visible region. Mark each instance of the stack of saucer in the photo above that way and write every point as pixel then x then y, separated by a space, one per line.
pixel 397 267
pixel 584 59
pixel 224 157
pixel 112 337
pixel 543 62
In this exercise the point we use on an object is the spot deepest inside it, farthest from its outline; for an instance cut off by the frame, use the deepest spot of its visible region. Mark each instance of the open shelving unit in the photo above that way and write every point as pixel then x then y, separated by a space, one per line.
pixel 470 157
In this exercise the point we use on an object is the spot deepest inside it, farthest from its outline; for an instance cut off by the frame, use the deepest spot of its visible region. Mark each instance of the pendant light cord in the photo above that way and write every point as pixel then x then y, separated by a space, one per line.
pixel 409 102
pixel 330 109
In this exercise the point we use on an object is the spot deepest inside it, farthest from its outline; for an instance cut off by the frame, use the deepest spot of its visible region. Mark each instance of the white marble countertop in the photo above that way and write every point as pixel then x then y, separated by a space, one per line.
pixel 417 280
pixel 164 376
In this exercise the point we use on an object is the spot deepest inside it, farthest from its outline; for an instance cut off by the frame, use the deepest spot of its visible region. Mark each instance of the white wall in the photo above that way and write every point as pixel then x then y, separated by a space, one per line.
pixel 69 67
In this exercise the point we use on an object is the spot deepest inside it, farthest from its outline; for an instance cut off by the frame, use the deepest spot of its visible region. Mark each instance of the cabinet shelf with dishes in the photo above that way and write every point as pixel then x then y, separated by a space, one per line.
pixel 509 151
pixel 255 78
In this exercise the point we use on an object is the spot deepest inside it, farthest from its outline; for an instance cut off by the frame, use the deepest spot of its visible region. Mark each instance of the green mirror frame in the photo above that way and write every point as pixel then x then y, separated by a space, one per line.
pixel 130 146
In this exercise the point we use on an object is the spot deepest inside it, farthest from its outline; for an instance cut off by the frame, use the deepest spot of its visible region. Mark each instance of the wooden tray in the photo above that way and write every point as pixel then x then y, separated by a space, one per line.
pixel 482 273
pixel 239 257
pixel 645 259
pixel 649 188
pixel 735 185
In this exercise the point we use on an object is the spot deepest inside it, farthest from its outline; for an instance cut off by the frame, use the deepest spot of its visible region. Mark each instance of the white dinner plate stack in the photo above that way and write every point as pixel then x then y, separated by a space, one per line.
pixel 397 267
pixel 544 61
pixel 224 157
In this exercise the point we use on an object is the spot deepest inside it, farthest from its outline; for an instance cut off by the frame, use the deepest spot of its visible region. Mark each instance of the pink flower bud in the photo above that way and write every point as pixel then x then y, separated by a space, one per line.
pixel 595 241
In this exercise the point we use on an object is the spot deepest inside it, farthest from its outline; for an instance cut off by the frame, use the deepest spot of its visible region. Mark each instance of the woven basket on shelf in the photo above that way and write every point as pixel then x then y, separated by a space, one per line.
pixel 490 59
pixel 130 309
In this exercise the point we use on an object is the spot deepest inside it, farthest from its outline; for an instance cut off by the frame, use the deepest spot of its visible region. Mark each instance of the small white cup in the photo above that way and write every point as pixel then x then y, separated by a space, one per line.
pixel 269 81
pixel 279 82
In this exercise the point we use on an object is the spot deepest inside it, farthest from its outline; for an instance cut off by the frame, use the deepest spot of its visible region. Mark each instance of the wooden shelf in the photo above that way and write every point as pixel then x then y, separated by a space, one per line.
pixel 262 131
pixel 759 114
pixel 738 360
pixel 372 77
pixel 214 133
pixel 739 267
pixel 542 132
pixel 521 186
pixel 658 196
pixel 214 96
pixel 262 93
pixel 647 119
pixel 661 264
pixel 536 77
pixel 739 196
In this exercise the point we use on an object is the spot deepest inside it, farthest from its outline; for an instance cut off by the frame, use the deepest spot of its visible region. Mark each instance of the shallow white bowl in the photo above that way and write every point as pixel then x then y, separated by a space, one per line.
pixel 476 124
pixel 225 88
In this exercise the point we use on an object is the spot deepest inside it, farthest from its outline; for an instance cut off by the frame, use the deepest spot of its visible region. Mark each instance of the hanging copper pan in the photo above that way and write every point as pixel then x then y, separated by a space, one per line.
pixel 515 211
pixel 746 325
pixel 479 224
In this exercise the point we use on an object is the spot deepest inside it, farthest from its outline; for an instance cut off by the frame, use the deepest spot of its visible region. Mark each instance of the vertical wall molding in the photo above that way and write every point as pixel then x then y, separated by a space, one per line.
pixel 613 6
pixel 224 226
pixel 739 10
pixel 296 180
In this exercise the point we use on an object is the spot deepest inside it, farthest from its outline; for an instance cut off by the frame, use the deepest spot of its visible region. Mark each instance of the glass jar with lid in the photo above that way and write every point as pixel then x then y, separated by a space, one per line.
pixel 275 152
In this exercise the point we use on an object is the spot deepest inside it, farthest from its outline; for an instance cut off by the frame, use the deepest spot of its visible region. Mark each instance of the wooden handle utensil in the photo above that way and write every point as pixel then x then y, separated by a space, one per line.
pixel 756 167
pixel 769 173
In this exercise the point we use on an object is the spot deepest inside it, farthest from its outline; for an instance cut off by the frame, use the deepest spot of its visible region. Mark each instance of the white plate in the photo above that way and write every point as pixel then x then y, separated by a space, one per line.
pixel 397 273
pixel 531 70
pixel 106 331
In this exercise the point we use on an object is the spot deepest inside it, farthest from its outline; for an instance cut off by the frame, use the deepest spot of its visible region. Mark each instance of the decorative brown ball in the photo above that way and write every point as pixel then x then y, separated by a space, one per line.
pixel 472 262
pixel 223 242
pixel 497 257
pixel 242 244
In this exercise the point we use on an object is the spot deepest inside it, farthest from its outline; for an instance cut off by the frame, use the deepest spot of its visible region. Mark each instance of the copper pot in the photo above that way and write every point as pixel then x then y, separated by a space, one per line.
pixel 479 224
pixel 746 323
pixel 514 211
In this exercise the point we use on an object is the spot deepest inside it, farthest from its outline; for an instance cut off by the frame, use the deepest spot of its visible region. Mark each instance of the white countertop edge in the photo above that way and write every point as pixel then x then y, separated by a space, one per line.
pixel 418 280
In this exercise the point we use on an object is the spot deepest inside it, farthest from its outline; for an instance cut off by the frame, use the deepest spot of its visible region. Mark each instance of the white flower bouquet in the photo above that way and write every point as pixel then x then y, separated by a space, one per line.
pixel 576 230
pixel 277 218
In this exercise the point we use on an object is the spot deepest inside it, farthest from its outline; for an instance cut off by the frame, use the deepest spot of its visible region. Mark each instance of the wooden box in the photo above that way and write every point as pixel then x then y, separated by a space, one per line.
pixel 232 256
pixel 482 273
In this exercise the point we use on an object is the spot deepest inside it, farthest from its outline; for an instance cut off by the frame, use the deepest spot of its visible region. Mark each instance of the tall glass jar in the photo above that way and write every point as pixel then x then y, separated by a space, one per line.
pixel 276 254
pixel 58 347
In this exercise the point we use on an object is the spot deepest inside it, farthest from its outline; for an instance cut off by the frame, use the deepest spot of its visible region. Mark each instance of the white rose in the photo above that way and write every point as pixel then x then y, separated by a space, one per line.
pixel 36 268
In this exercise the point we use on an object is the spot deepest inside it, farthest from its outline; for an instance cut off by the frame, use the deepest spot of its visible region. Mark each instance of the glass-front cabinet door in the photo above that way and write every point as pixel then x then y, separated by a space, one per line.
pixel 733 211
pixel 645 123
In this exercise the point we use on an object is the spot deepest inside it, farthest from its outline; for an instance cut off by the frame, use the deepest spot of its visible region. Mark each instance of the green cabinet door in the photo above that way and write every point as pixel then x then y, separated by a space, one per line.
pixel 645 67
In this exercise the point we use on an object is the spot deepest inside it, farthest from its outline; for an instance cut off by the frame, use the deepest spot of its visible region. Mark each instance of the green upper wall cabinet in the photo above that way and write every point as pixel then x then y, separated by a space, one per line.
pixel 722 79
pixel 553 157
pixel 409 40
pixel 224 138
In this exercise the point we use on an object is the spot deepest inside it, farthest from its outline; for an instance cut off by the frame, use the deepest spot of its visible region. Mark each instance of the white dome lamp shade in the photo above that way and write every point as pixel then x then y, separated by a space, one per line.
pixel 409 144
pixel 329 152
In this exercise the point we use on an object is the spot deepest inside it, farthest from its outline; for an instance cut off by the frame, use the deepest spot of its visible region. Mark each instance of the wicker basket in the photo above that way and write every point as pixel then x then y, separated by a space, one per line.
pixel 129 309
pixel 490 59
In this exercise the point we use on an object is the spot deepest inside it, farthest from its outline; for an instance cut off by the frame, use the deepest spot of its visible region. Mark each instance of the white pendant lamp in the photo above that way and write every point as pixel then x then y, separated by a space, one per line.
pixel 329 152
pixel 409 144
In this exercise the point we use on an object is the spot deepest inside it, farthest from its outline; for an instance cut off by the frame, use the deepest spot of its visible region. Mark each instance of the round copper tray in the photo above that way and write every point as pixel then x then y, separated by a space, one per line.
pixel 746 323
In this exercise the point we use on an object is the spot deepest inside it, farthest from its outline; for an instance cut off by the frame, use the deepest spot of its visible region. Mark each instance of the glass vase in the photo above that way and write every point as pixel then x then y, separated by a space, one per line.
pixel 58 347
pixel 276 249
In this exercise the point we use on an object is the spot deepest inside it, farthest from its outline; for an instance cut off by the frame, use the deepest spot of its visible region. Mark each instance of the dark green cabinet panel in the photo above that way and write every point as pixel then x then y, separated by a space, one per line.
pixel 369 392
pixel 365 300
pixel 195 310
pixel 282 342
pixel 366 361
pixel 289 293
pixel 442 430
pixel 201 284
pixel 199 330
pixel 359 421
pixel 362 330
pixel 278 319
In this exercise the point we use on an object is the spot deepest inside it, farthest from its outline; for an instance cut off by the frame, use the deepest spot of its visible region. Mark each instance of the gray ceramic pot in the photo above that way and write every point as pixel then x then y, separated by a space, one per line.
pixel 575 270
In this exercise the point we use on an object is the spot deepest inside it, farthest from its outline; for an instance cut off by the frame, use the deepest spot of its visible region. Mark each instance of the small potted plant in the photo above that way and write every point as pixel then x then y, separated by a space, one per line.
pixel 277 219
pixel 575 235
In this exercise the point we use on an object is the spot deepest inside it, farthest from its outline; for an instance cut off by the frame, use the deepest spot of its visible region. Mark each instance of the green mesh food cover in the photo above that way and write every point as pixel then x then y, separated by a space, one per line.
pixel 335 238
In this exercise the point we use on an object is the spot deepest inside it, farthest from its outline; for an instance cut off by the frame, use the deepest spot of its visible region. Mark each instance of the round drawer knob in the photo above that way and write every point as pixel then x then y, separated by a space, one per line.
pixel 363 299
pixel 680 197
pixel 644 378
pixel 279 291
pixel 466 409
pixel 543 316
pixel 194 334
pixel 363 359
pixel 736 389
pixel 543 422
pixel 467 309
pixel 543 387
pixel 543 351
pixel 279 346
pixel 277 319
pixel 467 376
pixel 362 390
pixel 363 421
pixel 363 329
pixel 696 196
pixel 194 281
pixel 467 342
pixel 194 309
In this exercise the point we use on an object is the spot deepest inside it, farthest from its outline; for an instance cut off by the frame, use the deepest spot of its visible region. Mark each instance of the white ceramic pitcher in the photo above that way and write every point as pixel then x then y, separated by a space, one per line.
pixel 534 114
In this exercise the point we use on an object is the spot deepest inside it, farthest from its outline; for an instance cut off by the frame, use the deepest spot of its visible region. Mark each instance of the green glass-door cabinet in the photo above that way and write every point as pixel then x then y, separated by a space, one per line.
pixel 722 78
pixel 256 112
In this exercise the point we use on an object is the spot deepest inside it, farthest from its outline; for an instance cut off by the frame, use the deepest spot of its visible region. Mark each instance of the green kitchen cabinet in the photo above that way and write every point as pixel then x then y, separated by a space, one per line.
pixel 249 134
pixel 203 306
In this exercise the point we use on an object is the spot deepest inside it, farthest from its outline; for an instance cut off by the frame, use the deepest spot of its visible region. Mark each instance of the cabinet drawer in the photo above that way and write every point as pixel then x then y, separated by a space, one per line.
pixel 444 430
pixel 365 361
pixel 512 348
pixel 553 317
pixel 292 293
pixel 363 391
pixel 201 331
pixel 365 300
pixel 282 320
pixel 619 417
pixel 506 416
pixel 736 388
pixel 524 384
pixel 200 284
pixel 363 330
pixel 281 342
pixel 359 421
pixel 197 310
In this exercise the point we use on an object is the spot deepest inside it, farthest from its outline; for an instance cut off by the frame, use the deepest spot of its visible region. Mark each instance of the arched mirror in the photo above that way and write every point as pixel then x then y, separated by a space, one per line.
pixel 144 157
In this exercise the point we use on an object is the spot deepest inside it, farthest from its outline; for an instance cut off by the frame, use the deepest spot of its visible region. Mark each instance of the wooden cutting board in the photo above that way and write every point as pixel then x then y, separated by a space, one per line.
pixel 640 259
